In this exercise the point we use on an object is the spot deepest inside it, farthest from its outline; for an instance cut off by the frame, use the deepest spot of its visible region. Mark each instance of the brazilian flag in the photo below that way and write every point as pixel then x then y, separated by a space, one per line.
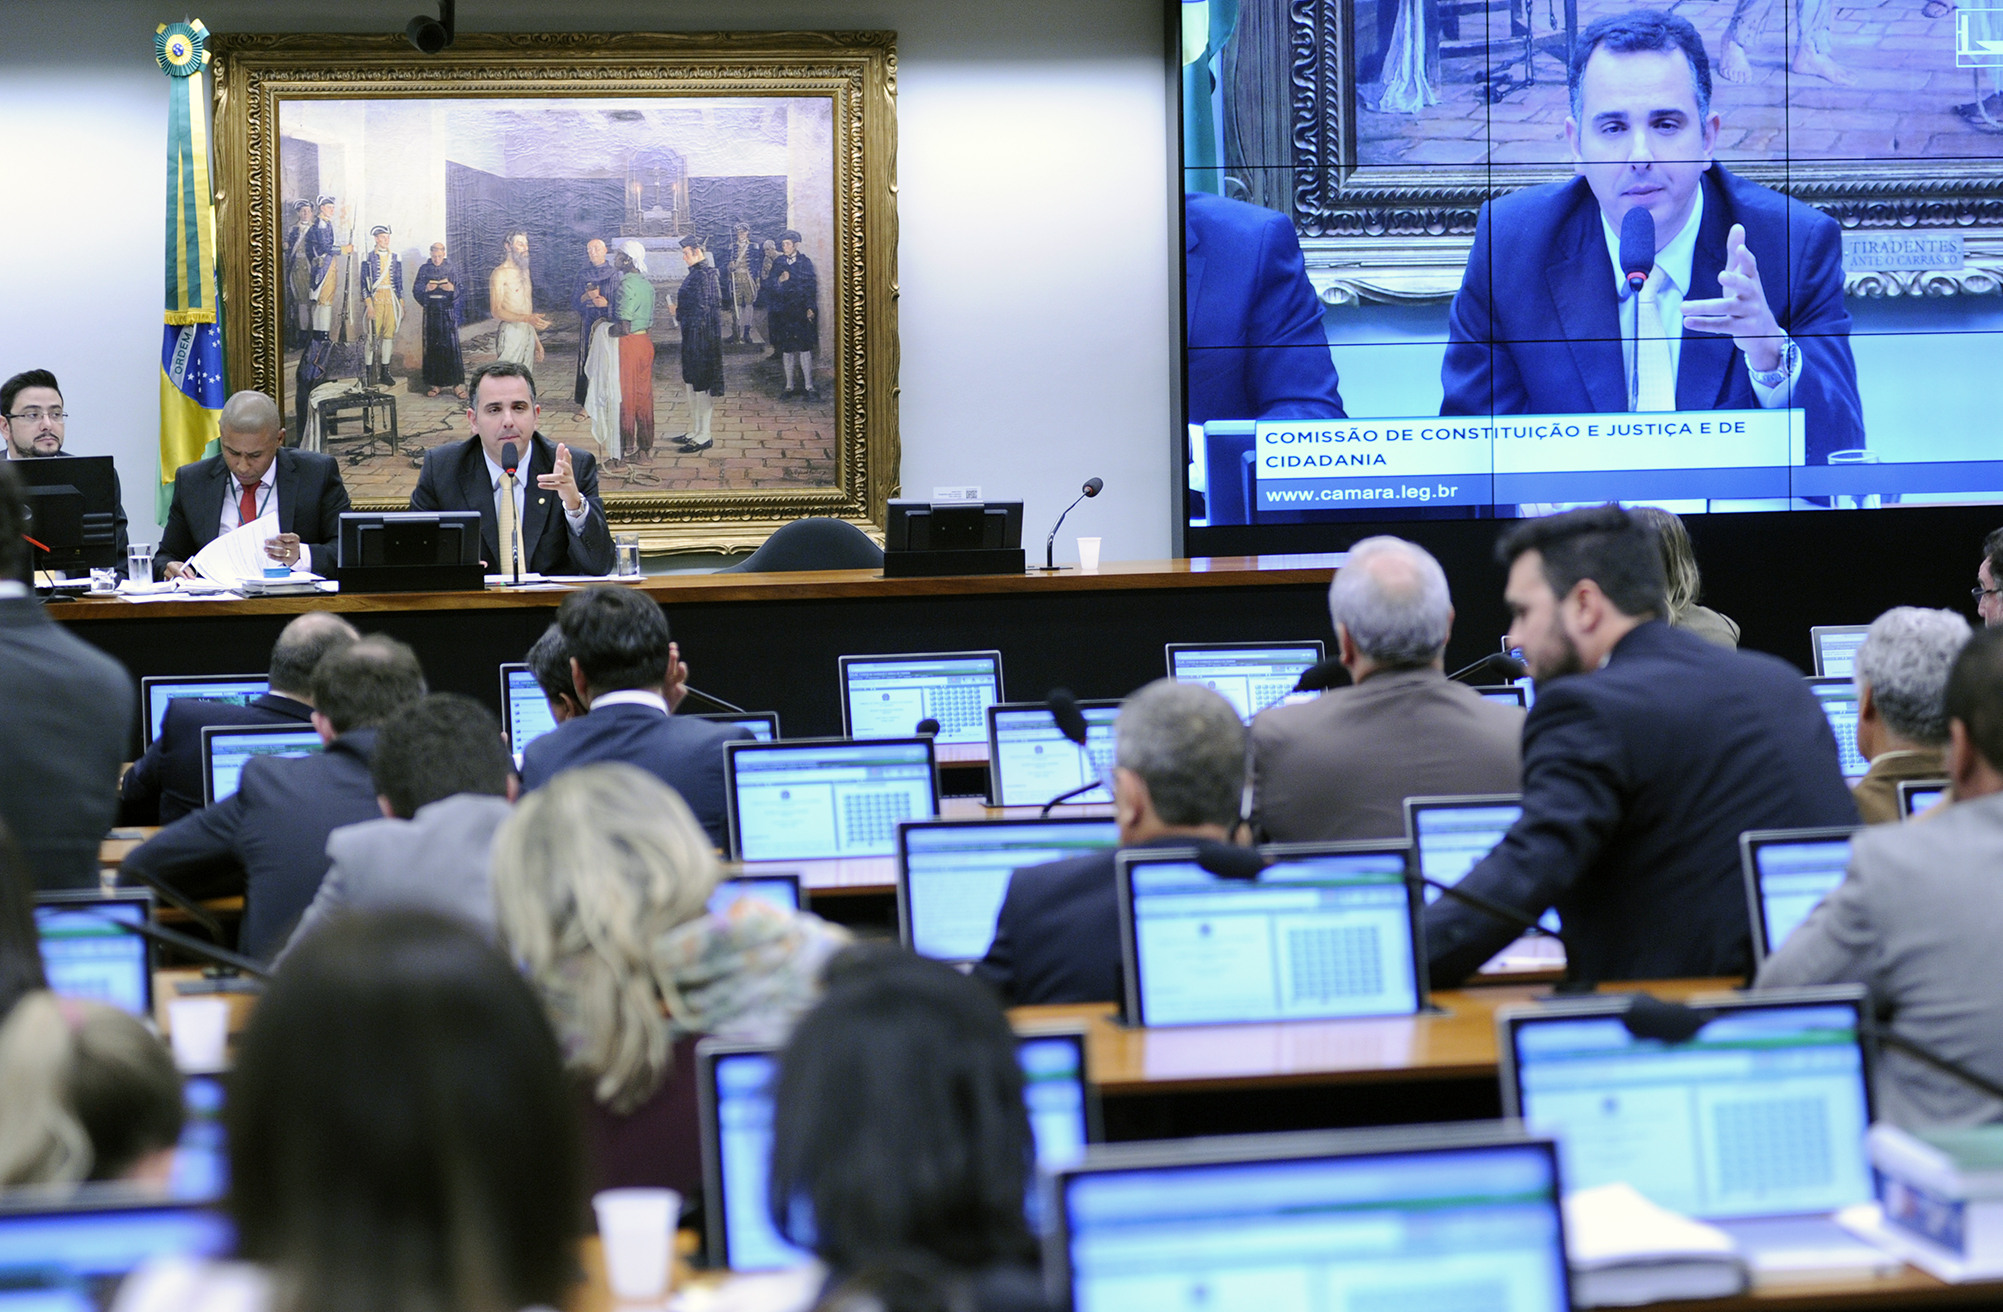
pixel 192 390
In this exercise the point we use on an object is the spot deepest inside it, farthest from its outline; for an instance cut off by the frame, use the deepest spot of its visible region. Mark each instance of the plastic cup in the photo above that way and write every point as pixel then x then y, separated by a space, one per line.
pixel 139 562
pixel 636 1228
pixel 200 1031
pixel 627 547
pixel 1088 555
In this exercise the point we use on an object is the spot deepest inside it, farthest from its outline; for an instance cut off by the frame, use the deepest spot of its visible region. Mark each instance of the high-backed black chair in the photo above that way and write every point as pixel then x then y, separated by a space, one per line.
pixel 812 544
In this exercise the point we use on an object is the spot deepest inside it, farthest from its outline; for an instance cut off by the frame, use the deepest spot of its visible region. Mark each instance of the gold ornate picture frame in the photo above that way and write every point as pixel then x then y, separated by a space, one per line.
pixel 539 162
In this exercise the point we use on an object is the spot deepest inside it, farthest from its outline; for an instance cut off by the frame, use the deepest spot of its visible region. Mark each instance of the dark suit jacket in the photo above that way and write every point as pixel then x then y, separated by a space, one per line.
pixel 1638 779
pixel 1535 327
pixel 268 840
pixel 311 498
pixel 684 752
pixel 1342 765
pixel 66 713
pixel 168 778
pixel 454 477
pixel 1256 345
pixel 1057 938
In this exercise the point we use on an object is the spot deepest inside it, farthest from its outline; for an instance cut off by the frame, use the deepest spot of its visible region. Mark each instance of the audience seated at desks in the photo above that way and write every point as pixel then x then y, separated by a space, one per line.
pixel 1901 675
pixel 87 1093
pixel 1178 779
pixel 629 677
pixel 1918 917
pixel 444 783
pixel 401 1136
pixel 898 1121
pixel 602 880
pixel 167 779
pixel 1342 765
pixel 268 840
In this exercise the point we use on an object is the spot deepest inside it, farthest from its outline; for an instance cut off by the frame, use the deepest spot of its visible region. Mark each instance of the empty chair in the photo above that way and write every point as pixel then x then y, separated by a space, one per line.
pixel 812 544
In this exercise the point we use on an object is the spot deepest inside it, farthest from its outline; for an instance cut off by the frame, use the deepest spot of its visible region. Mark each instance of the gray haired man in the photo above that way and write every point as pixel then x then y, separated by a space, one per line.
pixel 1901 675
pixel 1341 766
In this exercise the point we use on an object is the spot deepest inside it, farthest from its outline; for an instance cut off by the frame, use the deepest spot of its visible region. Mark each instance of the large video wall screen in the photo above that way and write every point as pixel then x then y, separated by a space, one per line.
pixel 1745 258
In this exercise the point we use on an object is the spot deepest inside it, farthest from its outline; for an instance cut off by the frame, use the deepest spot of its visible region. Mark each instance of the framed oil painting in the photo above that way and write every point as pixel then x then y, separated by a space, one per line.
pixel 690 240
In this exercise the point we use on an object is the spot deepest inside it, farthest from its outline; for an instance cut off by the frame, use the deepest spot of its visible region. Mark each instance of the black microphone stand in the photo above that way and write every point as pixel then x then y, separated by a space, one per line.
pixel 1572 983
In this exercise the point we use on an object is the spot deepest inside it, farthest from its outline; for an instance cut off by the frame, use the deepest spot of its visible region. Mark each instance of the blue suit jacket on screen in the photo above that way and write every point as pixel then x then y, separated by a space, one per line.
pixel 1535 327
pixel 685 753
pixel 1638 779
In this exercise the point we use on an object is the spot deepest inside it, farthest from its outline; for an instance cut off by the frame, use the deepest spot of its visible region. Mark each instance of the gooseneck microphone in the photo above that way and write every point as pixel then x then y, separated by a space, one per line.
pixel 928 728
pixel 1509 915
pixel 1321 676
pixel 511 460
pixel 1499 663
pixel 1093 487
pixel 1070 723
pixel 223 958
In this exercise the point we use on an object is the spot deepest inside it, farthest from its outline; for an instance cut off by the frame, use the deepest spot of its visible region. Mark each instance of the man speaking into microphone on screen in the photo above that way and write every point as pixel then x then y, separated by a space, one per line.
pixel 1656 279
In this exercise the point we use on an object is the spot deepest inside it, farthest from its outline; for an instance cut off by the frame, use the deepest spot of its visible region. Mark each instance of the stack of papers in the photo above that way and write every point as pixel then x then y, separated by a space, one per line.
pixel 239 554
pixel 1941 1199
pixel 1625 1250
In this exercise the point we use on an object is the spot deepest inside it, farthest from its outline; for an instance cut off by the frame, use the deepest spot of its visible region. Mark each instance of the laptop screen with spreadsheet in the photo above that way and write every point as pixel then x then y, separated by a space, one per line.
pixel 85 955
pixel 1788 873
pixel 73 1259
pixel 1327 930
pixel 886 696
pixel 1836 648
pixel 1251 676
pixel 816 798
pixel 161 691
pixel 764 725
pixel 1030 760
pixel 1761 1113
pixel 1917 795
pixel 1450 836
pixel 226 749
pixel 527 708
pixel 953 874
pixel 1839 703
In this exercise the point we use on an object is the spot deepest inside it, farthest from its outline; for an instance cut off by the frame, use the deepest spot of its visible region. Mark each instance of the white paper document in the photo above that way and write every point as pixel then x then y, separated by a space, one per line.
pixel 239 554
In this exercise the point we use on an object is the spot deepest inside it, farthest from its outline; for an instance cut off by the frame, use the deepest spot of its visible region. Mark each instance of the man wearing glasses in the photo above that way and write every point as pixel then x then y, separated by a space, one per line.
pixel 1988 589
pixel 32 417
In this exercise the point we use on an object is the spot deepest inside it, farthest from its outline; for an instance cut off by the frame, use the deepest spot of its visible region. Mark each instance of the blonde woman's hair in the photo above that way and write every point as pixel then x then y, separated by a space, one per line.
pixel 71 1070
pixel 1679 562
pixel 589 872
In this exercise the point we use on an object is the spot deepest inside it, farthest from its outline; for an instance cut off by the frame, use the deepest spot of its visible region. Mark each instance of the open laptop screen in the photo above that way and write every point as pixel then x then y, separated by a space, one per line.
pixel 1251 676
pixel 886 696
pixel 1293 1229
pixel 811 799
pixel 780 890
pixel 528 716
pixel 1762 1113
pixel 1836 648
pixel 1839 703
pixel 1788 873
pixel 85 955
pixel 1451 835
pixel 226 749
pixel 1917 795
pixel 73 1260
pixel 764 725
pixel 1030 760
pixel 1327 930
pixel 953 874
pixel 737 1137
pixel 160 691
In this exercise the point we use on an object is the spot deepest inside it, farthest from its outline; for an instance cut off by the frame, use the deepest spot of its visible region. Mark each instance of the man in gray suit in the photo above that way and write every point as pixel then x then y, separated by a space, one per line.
pixel 1341 766
pixel 1917 918
pixel 445 784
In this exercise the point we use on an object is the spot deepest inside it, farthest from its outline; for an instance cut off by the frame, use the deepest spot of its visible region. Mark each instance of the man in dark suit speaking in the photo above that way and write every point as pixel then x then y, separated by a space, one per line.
pixel 256 477
pixel 556 503
pixel 1648 753
pixel 1743 310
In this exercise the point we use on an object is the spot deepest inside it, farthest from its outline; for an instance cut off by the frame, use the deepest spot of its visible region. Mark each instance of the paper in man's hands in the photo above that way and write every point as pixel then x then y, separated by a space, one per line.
pixel 239 554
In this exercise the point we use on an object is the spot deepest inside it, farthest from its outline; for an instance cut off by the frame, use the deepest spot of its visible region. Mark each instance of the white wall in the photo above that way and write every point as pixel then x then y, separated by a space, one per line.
pixel 1033 219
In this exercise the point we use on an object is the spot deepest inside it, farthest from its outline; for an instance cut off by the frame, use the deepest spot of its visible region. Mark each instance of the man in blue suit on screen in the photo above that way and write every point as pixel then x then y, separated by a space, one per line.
pixel 1744 308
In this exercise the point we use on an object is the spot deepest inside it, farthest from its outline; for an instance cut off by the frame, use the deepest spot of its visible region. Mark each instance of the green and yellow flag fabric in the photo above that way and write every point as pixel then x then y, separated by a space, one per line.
pixel 192 389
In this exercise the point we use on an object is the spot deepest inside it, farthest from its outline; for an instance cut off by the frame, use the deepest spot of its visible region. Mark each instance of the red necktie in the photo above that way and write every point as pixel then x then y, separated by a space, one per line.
pixel 246 509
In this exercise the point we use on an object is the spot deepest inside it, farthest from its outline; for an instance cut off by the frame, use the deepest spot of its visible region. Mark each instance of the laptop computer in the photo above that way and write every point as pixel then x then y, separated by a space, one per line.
pixel 73 1258
pixel 1450 836
pixel 1249 675
pixel 227 748
pixel 86 955
pixel 780 889
pixel 526 710
pixel 1030 760
pixel 886 696
pixel 764 725
pixel 1508 694
pixel 1839 703
pixel 1329 930
pixel 1788 873
pixel 1755 1124
pixel 1437 1218
pixel 1917 795
pixel 814 798
pixel 733 1090
pixel 953 874
pixel 158 691
pixel 1836 648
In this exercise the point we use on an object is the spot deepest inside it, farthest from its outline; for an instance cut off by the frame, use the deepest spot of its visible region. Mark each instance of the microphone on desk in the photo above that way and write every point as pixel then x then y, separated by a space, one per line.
pixel 1070 723
pixel 180 901
pixel 1509 915
pixel 1321 676
pixel 1093 487
pixel 191 945
pixel 1495 663
pixel 511 459
pixel 928 728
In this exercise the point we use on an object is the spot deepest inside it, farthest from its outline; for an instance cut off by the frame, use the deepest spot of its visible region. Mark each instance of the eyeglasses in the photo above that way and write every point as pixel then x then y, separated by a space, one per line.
pixel 1980 593
pixel 34 414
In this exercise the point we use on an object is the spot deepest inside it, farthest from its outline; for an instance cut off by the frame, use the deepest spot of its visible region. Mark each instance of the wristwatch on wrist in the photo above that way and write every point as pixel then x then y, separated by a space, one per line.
pixel 1789 354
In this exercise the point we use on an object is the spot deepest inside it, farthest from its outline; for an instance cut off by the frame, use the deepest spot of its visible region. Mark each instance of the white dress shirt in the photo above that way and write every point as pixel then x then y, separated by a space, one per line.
pixel 1675 261
pixel 267 500
pixel 576 519
pixel 632 697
